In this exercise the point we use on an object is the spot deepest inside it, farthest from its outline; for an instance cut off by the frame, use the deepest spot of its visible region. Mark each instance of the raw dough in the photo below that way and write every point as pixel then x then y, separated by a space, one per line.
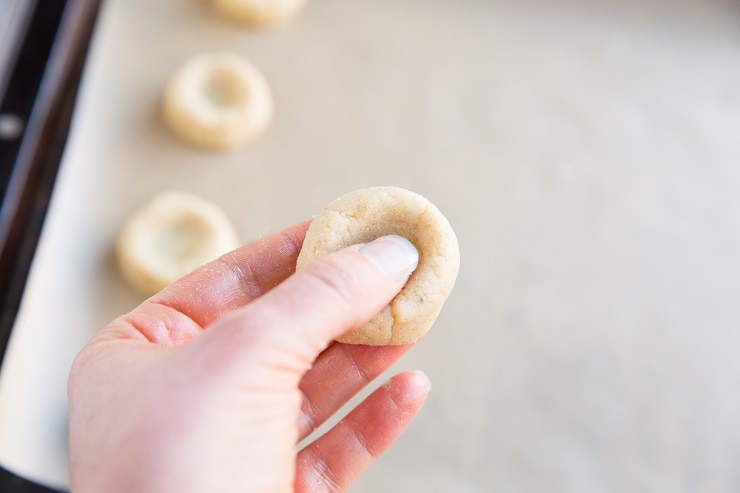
pixel 169 237
pixel 218 101
pixel 260 13
pixel 362 216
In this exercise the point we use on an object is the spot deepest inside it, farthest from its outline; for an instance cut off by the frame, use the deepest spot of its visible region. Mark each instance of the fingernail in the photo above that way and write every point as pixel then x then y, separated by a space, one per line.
pixel 425 378
pixel 395 255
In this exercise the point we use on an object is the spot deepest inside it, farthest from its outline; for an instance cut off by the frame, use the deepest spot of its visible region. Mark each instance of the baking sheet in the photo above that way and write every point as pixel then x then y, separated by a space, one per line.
pixel 586 155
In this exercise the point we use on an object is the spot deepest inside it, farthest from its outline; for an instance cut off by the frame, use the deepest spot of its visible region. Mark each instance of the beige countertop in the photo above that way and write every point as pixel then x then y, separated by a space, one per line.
pixel 586 155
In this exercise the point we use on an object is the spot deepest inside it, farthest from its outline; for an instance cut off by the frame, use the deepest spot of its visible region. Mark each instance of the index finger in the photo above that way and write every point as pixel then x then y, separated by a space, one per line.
pixel 235 279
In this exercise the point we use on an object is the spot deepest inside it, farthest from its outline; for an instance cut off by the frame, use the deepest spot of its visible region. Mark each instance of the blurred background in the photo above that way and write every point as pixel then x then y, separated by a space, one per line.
pixel 586 153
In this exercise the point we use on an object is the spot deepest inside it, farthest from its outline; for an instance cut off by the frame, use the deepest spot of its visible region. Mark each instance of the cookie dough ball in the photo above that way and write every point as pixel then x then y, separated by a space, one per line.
pixel 169 237
pixel 367 214
pixel 259 13
pixel 218 101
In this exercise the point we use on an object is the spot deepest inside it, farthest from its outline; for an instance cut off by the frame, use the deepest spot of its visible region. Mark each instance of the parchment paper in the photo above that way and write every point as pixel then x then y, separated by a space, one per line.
pixel 587 156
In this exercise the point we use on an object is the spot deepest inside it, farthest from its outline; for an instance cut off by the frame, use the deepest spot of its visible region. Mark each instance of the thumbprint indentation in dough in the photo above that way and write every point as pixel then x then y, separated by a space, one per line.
pixel 364 215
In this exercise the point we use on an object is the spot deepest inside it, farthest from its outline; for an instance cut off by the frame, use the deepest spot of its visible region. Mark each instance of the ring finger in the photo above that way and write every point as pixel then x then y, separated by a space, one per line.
pixel 339 372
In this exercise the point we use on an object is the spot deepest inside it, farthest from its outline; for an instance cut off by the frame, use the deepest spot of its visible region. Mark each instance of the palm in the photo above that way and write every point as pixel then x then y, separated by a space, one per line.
pixel 244 412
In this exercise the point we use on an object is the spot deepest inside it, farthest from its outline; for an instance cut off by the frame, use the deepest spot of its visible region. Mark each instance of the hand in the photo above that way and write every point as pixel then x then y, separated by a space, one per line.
pixel 209 385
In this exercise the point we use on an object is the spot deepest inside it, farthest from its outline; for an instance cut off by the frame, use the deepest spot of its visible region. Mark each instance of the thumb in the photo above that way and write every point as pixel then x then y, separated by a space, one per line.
pixel 291 324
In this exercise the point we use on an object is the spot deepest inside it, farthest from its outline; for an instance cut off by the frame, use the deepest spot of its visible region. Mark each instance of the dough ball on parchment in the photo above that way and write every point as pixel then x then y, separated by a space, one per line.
pixel 170 236
pixel 259 13
pixel 218 102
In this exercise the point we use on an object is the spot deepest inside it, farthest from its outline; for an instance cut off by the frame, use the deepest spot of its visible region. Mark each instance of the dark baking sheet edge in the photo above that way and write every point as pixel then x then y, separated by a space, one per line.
pixel 35 170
